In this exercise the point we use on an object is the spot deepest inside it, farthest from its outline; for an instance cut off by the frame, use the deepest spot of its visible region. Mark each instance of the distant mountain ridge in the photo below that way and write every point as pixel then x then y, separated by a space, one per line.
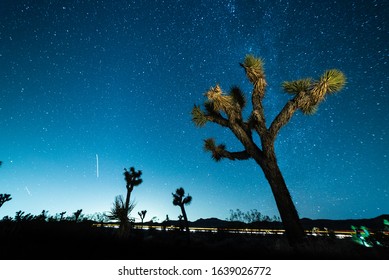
pixel 373 223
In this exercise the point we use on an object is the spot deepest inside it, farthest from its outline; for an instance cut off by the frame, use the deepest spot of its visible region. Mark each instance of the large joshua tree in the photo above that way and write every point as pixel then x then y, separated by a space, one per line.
pixel 226 111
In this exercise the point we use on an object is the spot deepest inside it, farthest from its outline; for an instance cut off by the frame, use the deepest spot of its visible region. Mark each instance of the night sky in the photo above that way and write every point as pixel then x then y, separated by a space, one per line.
pixel 119 79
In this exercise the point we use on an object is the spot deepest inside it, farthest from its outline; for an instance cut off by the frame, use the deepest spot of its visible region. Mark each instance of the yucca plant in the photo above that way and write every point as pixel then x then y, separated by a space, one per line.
pixel 121 214
pixel 225 109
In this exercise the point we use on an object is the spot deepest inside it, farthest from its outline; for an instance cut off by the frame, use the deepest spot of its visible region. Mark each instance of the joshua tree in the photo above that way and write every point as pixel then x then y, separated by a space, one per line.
pixel 120 213
pixel 61 215
pixel 77 214
pixel 226 111
pixel 21 217
pixel 180 200
pixel 4 198
pixel 142 215
pixel 43 216
pixel 132 179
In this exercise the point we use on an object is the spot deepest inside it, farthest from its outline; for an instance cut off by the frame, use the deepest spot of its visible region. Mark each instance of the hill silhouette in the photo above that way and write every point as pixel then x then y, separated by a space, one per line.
pixel 372 223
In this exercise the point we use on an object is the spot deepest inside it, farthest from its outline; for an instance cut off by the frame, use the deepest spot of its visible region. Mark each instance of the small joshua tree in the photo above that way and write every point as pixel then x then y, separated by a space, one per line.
pixel 61 215
pixel 77 215
pixel 142 215
pixel 179 199
pixel 4 198
pixel 226 110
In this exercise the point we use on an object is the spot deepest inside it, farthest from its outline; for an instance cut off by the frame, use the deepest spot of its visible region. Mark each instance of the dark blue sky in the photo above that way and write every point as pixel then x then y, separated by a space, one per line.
pixel 119 79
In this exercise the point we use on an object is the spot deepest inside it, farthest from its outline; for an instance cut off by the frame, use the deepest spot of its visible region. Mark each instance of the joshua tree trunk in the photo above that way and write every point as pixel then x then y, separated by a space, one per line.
pixel 186 222
pixel 128 196
pixel 185 218
pixel 289 216
pixel 132 179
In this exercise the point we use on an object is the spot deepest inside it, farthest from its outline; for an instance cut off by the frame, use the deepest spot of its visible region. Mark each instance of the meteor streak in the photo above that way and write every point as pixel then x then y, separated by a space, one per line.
pixel 97 165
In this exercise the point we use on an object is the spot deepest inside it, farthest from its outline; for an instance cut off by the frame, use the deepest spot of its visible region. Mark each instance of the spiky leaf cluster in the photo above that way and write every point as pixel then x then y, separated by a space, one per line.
pixel 330 82
pixel 309 110
pixel 132 177
pixel 179 199
pixel 238 96
pixel 311 93
pixel 217 151
pixel 295 87
pixel 219 101
pixel 4 198
pixel 334 79
pixel 198 117
pixel 250 61
pixel 254 68
pixel 119 212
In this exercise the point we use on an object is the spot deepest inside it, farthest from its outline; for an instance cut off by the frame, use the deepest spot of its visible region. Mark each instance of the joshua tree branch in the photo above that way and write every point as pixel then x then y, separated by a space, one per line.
pixel 283 117
pixel 258 113
pixel 218 119
pixel 300 101
pixel 243 155
pixel 240 131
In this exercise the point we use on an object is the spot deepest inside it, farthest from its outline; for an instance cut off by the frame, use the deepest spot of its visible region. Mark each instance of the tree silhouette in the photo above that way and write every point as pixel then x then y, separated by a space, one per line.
pixel 142 215
pixel 179 199
pixel 226 111
pixel 120 212
pixel 61 215
pixel 43 216
pixel 4 198
pixel 77 215
pixel 132 179
pixel 20 216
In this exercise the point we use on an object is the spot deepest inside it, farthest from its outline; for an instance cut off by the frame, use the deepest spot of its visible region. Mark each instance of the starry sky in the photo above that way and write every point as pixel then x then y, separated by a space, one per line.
pixel 118 79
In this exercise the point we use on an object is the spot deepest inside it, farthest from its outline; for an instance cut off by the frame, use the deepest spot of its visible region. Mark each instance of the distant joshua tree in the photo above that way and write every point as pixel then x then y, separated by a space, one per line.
pixel 132 179
pixel 226 111
pixel 61 215
pixel 4 198
pixel 43 216
pixel 20 216
pixel 142 215
pixel 179 199
pixel 77 215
